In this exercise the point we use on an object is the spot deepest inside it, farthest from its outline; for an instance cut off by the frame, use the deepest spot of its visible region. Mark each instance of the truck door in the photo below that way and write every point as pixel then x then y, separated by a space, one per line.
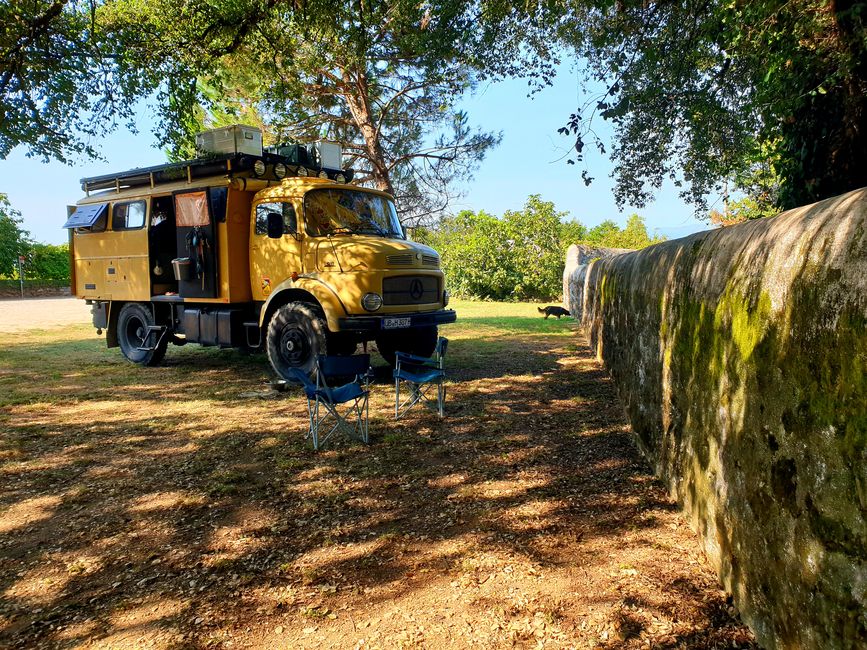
pixel 197 245
pixel 273 260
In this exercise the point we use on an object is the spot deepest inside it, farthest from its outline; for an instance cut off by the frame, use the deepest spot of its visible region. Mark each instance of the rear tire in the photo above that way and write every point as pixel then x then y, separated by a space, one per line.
pixel 420 341
pixel 296 335
pixel 132 334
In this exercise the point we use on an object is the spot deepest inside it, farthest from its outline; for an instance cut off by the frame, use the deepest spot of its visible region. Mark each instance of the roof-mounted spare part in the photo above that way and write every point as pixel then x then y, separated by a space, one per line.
pixel 275 163
pixel 237 138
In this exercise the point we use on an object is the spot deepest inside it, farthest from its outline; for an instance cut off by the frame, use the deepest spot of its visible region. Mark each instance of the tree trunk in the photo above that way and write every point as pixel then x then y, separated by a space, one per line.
pixel 357 95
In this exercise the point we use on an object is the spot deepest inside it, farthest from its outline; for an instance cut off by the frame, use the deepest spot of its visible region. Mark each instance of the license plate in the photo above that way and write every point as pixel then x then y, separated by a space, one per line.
pixel 395 323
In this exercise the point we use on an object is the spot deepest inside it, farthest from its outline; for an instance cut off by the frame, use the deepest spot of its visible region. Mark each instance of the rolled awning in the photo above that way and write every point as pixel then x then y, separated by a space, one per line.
pixel 86 215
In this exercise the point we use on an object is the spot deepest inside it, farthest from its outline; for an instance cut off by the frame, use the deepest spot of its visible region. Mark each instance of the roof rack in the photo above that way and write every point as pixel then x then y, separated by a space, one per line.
pixel 272 166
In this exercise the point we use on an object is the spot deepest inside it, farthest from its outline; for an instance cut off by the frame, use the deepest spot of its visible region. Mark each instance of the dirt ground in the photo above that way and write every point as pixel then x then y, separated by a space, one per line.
pixel 35 313
pixel 179 507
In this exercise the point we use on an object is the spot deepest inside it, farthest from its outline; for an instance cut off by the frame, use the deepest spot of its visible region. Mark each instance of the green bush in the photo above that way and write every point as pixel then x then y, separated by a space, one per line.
pixel 521 255
pixel 609 235
pixel 517 257
pixel 47 262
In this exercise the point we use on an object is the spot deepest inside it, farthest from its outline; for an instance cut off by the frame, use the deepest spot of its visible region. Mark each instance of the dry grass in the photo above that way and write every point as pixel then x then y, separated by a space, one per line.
pixel 158 507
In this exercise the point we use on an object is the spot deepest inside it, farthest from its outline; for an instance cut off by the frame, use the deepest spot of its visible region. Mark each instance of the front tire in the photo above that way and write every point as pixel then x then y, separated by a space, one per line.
pixel 133 334
pixel 420 341
pixel 296 335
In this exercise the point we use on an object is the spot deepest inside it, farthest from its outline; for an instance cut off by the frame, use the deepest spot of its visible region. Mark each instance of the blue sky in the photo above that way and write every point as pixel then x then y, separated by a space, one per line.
pixel 530 160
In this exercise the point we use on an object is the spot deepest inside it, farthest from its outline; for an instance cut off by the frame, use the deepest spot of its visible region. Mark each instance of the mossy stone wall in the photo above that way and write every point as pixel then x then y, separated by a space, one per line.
pixel 741 356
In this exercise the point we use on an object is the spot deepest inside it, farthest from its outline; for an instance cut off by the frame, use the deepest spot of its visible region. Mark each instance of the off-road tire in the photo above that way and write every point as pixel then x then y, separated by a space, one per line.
pixel 420 341
pixel 296 335
pixel 132 323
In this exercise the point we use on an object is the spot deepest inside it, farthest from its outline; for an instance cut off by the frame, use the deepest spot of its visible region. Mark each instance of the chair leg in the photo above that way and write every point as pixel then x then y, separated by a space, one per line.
pixel 358 428
pixel 366 419
pixel 396 398
pixel 441 397
pixel 315 427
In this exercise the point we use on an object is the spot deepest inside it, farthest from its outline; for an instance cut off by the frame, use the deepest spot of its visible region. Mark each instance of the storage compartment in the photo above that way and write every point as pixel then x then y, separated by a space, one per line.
pixel 221 327
pixel 230 139
pixel 330 155
pixel 182 268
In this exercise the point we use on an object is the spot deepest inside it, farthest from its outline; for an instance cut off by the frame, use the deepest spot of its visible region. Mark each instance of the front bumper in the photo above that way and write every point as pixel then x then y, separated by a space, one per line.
pixel 374 323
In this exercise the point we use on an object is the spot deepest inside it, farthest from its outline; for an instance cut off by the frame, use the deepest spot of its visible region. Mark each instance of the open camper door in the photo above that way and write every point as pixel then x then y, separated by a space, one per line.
pixel 196 266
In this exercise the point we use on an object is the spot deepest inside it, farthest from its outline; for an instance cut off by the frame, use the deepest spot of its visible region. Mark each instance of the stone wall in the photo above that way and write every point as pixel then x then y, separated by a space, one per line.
pixel 577 259
pixel 741 357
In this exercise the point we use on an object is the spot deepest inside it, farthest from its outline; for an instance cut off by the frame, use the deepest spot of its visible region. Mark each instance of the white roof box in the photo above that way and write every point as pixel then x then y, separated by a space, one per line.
pixel 237 138
pixel 329 154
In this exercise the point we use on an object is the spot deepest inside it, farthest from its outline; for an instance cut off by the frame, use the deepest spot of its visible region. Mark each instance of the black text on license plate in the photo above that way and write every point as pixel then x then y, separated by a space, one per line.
pixel 395 323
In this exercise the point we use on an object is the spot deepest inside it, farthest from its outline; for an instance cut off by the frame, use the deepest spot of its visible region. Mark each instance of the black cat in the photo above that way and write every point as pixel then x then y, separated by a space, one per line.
pixel 553 311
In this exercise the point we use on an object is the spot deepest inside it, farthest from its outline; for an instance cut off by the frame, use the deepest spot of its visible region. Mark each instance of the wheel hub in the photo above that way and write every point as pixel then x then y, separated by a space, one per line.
pixel 294 346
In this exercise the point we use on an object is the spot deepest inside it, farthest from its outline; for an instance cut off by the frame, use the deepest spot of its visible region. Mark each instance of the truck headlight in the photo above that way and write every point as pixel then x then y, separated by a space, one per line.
pixel 279 170
pixel 259 168
pixel 371 301
pixel 445 297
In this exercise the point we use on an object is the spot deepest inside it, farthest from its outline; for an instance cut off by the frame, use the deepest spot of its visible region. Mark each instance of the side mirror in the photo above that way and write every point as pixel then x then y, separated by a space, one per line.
pixel 275 225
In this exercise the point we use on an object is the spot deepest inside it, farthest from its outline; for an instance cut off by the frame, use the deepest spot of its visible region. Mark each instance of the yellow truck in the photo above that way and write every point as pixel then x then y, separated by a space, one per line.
pixel 273 251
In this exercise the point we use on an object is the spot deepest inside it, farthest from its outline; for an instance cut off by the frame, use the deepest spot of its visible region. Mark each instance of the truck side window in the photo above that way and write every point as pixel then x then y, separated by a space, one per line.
pixel 128 216
pixel 290 222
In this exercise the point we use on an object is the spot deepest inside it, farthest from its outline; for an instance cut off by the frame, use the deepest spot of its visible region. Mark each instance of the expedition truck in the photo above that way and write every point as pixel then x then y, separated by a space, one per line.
pixel 269 249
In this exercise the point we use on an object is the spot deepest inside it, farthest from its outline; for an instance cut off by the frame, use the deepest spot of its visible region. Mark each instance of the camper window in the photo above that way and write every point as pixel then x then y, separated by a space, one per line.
pixel 88 218
pixel 128 216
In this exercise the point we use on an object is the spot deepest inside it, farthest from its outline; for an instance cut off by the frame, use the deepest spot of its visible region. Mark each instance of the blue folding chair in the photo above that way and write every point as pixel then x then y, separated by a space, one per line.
pixel 422 375
pixel 324 402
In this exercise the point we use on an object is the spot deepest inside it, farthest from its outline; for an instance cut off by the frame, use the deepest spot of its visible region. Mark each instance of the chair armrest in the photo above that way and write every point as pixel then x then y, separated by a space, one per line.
pixel 365 377
pixel 406 356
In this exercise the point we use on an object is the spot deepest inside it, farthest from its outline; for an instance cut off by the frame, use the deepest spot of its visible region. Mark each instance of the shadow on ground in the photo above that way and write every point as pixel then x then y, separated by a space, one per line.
pixel 158 506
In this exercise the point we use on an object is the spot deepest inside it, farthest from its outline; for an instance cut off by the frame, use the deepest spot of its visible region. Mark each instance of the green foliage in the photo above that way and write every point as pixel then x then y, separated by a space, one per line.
pixel 703 92
pixel 71 71
pixel 14 240
pixel 47 262
pixel 383 79
pixel 42 261
pixel 517 257
pixel 741 210
pixel 609 235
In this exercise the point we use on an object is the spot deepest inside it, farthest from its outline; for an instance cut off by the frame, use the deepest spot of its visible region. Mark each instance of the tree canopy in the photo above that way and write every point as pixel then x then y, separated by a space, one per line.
pixel 521 255
pixel 609 235
pixel 769 95
pixel 73 70
pixel 382 79
pixel 14 240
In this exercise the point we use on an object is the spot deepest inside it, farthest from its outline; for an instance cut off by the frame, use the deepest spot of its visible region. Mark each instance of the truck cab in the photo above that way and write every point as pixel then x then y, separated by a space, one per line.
pixel 265 252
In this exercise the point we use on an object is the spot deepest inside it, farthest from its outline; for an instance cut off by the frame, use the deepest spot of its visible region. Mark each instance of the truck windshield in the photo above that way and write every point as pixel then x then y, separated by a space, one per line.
pixel 342 211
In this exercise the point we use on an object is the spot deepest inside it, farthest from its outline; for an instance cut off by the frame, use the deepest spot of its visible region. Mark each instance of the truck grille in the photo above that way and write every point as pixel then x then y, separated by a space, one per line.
pixel 410 290
pixel 408 259
pixel 404 259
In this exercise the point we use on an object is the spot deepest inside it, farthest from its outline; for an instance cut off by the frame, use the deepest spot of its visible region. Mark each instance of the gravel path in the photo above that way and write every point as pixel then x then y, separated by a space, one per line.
pixel 42 313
